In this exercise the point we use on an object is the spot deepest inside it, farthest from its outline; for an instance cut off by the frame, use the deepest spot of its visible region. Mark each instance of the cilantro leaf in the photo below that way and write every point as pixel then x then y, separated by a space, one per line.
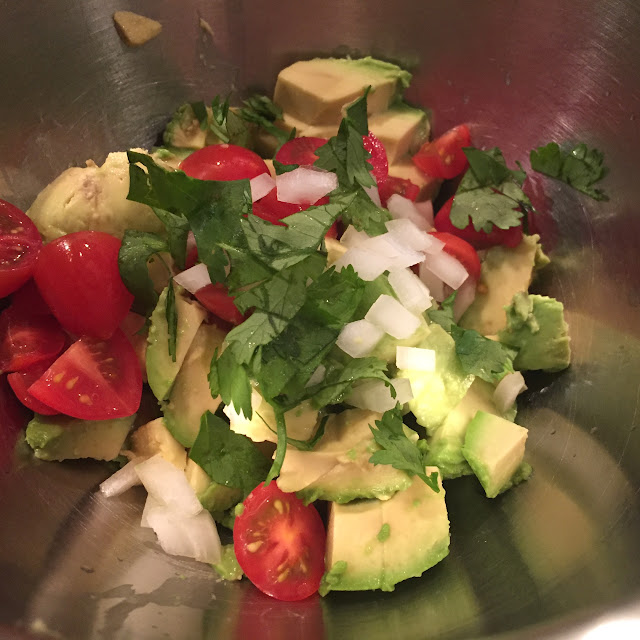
pixel 171 315
pixel 580 167
pixel 444 315
pixel 228 458
pixel 482 357
pixel 229 380
pixel 398 450
pixel 281 446
pixel 488 169
pixel 261 111
pixel 136 250
pixel 177 227
pixel 359 210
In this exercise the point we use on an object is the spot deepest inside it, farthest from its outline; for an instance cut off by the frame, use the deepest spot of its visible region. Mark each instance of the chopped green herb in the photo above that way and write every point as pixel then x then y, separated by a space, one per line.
pixel 384 533
pixel 171 313
pixel 229 380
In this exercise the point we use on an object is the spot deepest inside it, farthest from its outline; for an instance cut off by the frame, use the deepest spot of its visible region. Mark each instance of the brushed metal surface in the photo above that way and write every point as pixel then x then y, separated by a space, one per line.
pixel 559 557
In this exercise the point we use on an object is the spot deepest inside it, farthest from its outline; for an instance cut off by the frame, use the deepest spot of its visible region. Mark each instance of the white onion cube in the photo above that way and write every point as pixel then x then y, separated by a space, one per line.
pixel 447 268
pixel 352 237
pixel 433 283
pixel 261 185
pixel 359 338
pixel 507 390
pixel 305 185
pixel 122 480
pixel 401 207
pixel 394 254
pixel 375 395
pixel 415 358
pixel 366 264
pixel 390 316
pixel 193 278
pixel 411 291
pixel 408 234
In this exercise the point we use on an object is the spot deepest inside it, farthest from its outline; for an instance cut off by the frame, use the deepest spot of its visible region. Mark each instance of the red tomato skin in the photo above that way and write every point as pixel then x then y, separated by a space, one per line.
pixel 93 380
pixel 78 277
pixel 401 186
pixel 27 300
pixel 224 162
pixel 273 210
pixel 28 340
pixel 444 157
pixel 300 150
pixel 510 237
pixel 20 244
pixel 20 381
pixel 215 298
pixel 462 251
pixel 288 529
pixel 378 160
pixel 13 417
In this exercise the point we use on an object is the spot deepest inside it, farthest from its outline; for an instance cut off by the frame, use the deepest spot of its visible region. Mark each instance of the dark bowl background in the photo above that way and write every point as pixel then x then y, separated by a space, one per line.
pixel 559 556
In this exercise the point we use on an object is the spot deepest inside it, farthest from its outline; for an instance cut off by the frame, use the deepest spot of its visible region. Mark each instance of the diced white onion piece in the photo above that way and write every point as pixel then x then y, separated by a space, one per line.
pixel 168 484
pixel 366 264
pixel 317 376
pixel 408 234
pixel 447 268
pixel 465 296
pixel 415 359
pixel 193 536
pixel 411 291
pixel 425 208
pixel 352 237
pixel 122 479
pixel 359 338
pixel 401 207
pixel 394 253
pixel 305 184
pixel 376 396
pixel 150 504
pixel 433 283
pixel 508 390
pixel 374 194
pixel 261 185
pixel 193 278
pixel 390 316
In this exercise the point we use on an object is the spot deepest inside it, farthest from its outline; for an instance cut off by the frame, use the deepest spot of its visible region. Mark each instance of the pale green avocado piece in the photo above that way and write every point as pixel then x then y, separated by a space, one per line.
pixel 213 496
pixel 228 567
pixel 505 272
pixel 436 393
pixel 316 91
pixel 154 438
pixel 374 544
pixel 445 446
pixel 161 368
pixel 190 394
pixel 494 447
pixel 537 328
pixel 338 468
pixel 63 438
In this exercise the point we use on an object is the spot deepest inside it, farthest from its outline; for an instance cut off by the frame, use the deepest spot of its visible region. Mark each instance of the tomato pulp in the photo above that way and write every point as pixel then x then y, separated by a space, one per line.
pixel 279 543
pixel 444 157
pixel 224 162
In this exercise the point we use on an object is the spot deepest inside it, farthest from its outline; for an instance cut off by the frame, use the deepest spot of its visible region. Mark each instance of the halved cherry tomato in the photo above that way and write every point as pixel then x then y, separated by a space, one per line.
pixel 27 300
pixel 401 186
pixel 224 162
pixel 443 157
pixel 462 251
pixel 216 299
pixel 300 150
pixel 28 340
pixel 20 243
pixel 378 160
pixel 78 277
pixel 279 543
pixel 510 237
pixel 20 382
pixel 93 380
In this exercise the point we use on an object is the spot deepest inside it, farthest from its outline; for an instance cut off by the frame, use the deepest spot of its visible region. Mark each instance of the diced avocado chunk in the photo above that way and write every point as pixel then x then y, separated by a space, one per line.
pixel 445 446
pixel 316 91
pixel 161 368
pixel 375 544
pixel 213 496
pixel 537 328
pixel 154 438
pixel 405 169
pixel 505 272
pixel 228 567
pixel 63 438
pixel 401 129
pixel 338 468
pixel 190 394
pixel 494 447
pixel 436 393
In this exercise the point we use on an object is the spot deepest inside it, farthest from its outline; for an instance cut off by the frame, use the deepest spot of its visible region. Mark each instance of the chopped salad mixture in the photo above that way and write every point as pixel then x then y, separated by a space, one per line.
pixel 326 353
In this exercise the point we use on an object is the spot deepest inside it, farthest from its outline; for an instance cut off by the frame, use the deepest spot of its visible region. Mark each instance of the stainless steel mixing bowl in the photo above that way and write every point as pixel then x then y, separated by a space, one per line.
pixel 558 556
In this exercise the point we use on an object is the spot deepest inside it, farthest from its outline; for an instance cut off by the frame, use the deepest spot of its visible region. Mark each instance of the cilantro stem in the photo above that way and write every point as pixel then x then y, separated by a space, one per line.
pixel 281 447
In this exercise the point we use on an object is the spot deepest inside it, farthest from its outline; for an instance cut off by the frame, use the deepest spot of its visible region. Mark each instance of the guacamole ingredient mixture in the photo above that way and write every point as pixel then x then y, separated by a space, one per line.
pixel 312 334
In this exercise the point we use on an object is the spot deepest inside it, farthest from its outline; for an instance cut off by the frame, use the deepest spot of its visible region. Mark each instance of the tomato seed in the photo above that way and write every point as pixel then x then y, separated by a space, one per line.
pixel 254 546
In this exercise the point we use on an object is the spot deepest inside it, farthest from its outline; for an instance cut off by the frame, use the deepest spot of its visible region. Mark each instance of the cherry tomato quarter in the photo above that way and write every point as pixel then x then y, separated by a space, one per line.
pixel 279 543
pixel 20 243
pixel 20 381
pixel 224 162
pixel 378 160
pixel 78 277
pixel 444 157
pixel 300 150
pixel 401 186
pixel 216 299
pixel 93 380
pixel 462 251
